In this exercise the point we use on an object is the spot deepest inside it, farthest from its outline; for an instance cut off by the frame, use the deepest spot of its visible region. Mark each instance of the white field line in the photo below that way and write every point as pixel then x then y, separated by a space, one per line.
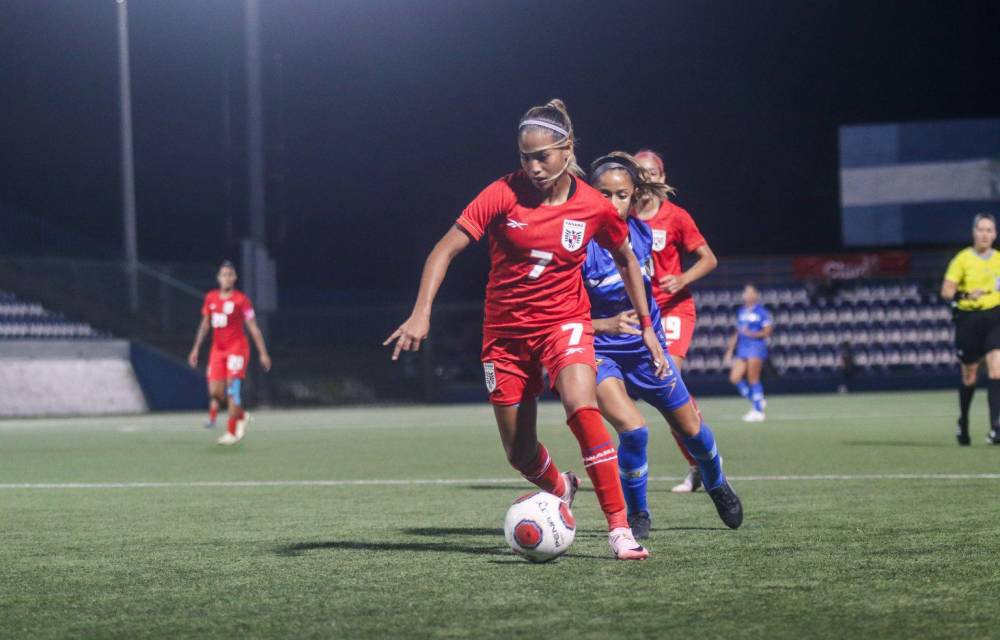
pixel 464 481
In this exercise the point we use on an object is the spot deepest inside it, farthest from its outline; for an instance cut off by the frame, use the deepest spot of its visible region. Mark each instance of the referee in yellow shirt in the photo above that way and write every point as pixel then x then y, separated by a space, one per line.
pixel 973 283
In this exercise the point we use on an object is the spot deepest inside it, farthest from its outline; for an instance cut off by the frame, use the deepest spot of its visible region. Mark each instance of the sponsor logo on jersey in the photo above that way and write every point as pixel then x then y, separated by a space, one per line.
pixel 489 371
pixel 573 350
pixel 514 224
pixel 572 234
pixel 659 239
pixel 228 306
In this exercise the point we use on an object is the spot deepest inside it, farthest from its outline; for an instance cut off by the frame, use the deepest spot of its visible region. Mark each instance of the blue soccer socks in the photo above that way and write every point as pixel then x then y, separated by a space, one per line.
pixel 743 388
pixel 633 466
pixel 757 396
pixel 702 447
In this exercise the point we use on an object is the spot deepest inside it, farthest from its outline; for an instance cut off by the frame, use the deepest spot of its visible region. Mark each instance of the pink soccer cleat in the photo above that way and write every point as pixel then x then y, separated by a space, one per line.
pixel 624 546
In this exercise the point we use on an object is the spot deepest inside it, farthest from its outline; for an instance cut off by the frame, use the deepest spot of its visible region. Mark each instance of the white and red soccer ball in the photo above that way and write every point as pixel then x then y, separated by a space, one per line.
pixel 539 527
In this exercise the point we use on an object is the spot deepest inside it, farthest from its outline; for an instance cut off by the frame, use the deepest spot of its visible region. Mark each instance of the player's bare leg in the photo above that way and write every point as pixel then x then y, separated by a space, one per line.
pixel 238 418
pixel 577 387
pixel 216 396
pixel 518 433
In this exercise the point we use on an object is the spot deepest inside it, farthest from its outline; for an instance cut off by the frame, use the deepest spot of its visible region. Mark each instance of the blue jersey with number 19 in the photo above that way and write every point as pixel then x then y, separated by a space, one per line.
pixel 607 292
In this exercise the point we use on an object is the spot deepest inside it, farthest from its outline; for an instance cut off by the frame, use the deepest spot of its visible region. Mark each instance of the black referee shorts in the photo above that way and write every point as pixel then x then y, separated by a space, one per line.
pixel 976 334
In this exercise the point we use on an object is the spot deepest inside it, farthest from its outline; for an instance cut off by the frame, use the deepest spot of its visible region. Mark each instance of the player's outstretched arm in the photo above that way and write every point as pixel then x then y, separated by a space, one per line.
pixel 631 274
pixel 258 340
pixel 411 333
pixel 198 339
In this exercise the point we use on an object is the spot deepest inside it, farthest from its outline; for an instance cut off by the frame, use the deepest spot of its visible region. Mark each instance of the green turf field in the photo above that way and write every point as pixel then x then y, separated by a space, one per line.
pixel 168 535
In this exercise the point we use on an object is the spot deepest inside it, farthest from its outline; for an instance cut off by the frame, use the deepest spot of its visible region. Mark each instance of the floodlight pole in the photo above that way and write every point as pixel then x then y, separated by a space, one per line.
pixel 255 125
pixel 127 166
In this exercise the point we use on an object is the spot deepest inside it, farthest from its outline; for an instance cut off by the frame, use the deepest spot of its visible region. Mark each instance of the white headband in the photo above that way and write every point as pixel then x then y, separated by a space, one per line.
pixel 546 125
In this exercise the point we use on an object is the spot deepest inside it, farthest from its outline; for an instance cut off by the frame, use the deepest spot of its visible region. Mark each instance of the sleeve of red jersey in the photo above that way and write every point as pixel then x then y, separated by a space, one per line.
pixel 690 234
pixel 612 230
pixel 494 200
pixel 247 308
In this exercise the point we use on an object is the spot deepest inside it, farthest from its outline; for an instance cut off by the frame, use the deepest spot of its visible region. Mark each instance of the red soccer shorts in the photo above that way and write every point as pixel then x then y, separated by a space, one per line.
pixel 223 365
pixel 513 366
pixel 678 327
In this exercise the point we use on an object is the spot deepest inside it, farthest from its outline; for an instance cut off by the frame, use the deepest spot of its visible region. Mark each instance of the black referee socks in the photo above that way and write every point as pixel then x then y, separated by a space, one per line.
pixel 964 400
pixel 994 404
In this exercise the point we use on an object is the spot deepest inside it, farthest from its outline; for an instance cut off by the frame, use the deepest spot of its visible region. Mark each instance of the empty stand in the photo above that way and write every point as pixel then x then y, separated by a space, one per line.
pixel 29 320
pixel 896 327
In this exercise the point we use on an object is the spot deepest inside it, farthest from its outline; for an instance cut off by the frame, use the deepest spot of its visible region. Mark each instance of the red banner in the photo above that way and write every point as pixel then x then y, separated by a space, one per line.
pixel 852 265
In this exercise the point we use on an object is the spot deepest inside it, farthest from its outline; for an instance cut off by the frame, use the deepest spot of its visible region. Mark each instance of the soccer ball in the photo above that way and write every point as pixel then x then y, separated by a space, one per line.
pixel 539 527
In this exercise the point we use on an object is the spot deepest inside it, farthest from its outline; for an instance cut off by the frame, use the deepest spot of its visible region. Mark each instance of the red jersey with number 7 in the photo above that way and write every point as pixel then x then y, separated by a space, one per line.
pixel 536 251
pixel 227 316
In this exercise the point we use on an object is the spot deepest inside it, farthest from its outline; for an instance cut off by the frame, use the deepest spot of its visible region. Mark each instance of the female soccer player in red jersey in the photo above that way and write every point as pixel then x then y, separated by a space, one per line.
pixel 674 234
pixel 539 221
pixel 225 310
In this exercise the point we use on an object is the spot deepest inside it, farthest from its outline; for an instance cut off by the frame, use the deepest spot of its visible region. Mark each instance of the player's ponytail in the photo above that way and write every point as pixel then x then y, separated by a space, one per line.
pixel 553 119
pixel 645 186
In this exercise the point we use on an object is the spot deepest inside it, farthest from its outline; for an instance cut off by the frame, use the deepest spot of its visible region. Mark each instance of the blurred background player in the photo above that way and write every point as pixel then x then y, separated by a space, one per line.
pixel 971 283
pixel 675 234
pixel 747 351
pixel 539 221
pixel 623 362
pixel 225 310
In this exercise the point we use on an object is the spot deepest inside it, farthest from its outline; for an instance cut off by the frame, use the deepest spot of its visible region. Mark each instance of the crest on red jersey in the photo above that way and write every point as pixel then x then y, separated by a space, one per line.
pixel 659 239
pixel 572 234
pixel 228 306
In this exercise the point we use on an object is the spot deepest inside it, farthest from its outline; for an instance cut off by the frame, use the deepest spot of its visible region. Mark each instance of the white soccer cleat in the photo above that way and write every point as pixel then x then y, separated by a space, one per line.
pixel 691 482
pixel 241 426
pixel 753 416
pixel 227 440
pixel 624 546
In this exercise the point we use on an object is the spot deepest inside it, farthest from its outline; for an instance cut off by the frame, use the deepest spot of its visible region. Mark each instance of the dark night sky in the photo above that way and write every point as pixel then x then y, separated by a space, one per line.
pixel 385 118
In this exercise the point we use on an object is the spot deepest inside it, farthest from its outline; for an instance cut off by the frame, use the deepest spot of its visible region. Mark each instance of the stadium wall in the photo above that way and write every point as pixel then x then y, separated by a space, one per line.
pixel 57 377
pixel 168 385
pixel 92 377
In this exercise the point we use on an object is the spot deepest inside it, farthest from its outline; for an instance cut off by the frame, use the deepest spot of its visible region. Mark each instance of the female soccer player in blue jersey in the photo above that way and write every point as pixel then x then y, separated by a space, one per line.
pixel 624 368
pixel 748 350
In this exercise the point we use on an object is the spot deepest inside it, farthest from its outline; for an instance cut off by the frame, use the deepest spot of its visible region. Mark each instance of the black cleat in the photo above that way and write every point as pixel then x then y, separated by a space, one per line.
pixel 640 524
pixel 728 504
pixel 962 433
pixel 993 437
